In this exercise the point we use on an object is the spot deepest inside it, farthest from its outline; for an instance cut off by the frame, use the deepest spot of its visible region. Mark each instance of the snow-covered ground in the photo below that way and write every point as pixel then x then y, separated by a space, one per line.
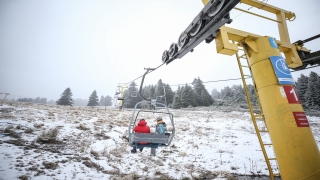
pixel 91 143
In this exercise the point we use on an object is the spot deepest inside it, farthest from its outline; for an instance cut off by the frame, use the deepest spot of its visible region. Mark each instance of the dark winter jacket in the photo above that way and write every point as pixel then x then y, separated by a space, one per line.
pixel 161 127
pixel 142 128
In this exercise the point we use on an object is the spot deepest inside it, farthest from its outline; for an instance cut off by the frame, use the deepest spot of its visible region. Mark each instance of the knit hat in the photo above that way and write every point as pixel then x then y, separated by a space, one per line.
pixel 159 118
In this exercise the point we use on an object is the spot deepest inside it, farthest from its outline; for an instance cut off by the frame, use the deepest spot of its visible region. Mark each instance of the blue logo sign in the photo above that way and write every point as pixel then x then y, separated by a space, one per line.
pixel 281 69
pixel 273 42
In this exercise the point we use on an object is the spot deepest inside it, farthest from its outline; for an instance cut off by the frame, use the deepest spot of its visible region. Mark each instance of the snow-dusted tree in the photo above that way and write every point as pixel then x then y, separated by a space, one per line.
pixel 133 96
pixel 238 94
pixel 188 97
pixel 145 91
pixel 179 90
pixel 226 93
pixel 176 104
pixel 302 86
pixel 66 98
pixel 215 94
pixel 312 95
pixel 152 92
pixel 169 94
pixel 204 99
pixel 199 88
pixel 159 88
pixel 93 99
pixel 102 103
pixel 80 102
pixel 107 101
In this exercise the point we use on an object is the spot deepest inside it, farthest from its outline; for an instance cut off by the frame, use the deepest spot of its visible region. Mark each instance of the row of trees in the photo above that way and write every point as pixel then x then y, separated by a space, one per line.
pixel 234 94
pixel 186 96
pixel 132 96
pixel 66 99
pixel 308 88
pixel 35 100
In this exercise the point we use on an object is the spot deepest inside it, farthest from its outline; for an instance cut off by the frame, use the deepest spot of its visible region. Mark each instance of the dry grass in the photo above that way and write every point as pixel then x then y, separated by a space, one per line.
pixel 11 132
pixel 50 165
pixel 48 136
pixel 29 130
pixel 119 150
pixel 225 151
pixel 38 125
pixel 82 127
pixel 94 165
pixel 94 153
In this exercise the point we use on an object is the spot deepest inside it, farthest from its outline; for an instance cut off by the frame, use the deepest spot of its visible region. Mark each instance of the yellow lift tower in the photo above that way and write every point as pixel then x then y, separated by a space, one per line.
pixel 295 149
pixel 120 94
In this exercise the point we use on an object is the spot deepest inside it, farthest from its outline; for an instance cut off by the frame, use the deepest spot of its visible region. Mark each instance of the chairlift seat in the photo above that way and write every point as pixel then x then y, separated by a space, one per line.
pixel 151 138
pixel 149 145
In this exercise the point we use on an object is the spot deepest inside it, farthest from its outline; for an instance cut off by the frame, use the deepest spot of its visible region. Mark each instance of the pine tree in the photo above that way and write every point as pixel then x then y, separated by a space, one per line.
pixel 176 104
pixel 302 86
pixel 145 91
pixel 159 88
pixel 133 95
pixel 312 93
pixel 169 94
pixel 201 92
pixel 215 94
pixel 188 97
pixel 226 93
pixel 152 92
pixel 102 102
pixel 108 100
pixel 238 94
pixel 204 99
pixel 66 98
pixel 93 99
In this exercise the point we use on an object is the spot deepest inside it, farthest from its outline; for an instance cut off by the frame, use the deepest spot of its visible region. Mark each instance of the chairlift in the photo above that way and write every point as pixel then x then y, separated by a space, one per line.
pixel 159 98
pixel 134 93
pixel 154 140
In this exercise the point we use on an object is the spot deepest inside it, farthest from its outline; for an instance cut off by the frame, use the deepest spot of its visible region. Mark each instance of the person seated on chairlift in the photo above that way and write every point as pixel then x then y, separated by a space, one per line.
pixel 161 126
pixel 141 128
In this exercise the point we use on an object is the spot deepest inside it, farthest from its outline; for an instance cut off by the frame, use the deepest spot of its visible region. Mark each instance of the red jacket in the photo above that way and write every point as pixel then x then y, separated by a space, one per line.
pixel 142 128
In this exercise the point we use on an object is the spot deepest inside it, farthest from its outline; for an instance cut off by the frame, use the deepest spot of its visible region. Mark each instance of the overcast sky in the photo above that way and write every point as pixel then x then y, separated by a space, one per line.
pixel 48 46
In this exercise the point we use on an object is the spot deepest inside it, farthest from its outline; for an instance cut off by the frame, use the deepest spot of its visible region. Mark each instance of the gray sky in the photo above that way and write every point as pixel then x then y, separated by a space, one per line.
pixel 47 46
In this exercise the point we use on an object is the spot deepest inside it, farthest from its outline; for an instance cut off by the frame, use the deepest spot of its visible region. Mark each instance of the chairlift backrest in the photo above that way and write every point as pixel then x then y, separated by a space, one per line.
pixel 134 94
pixel 164 140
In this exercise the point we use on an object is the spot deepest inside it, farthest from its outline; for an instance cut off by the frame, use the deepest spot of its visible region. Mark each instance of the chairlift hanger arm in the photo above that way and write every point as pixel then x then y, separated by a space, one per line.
pixel 141 85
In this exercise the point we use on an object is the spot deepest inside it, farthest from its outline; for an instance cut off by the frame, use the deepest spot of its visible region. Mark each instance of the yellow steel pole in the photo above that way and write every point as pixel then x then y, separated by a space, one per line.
pixel 295 147
pixel 121 96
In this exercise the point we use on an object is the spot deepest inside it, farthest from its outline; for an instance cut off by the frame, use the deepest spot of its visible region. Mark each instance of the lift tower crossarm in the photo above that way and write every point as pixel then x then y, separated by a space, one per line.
pixel 269 8
pixel 282 16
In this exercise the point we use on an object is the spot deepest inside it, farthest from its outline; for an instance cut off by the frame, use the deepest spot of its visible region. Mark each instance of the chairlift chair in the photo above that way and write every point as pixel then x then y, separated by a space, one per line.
pixel 159 98
pixel 134 93
pixel 154 140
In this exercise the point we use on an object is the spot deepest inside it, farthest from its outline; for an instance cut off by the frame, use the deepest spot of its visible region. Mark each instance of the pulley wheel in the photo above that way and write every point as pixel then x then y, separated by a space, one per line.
pixel 216 7
pixel 196 28
pixel 173 49
pixel 165 56
pixel 183 40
